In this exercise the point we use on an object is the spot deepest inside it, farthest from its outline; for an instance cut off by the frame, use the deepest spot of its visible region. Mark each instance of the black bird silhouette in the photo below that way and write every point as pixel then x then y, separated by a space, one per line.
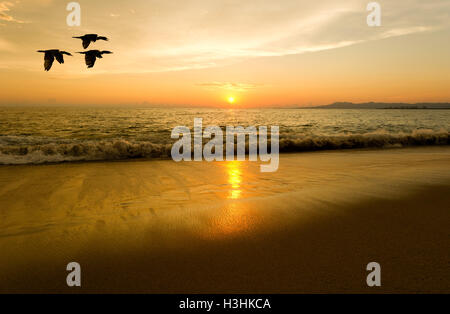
pixel 51 55
pixel 88 38
pixel 92 55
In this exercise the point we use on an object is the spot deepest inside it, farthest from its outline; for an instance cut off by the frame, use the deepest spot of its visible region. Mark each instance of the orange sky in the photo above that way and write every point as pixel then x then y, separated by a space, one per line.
pixel 200 52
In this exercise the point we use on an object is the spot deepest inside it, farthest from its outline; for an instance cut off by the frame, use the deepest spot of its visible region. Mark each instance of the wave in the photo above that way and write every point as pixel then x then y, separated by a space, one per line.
pixel 122 149
pixel 87 151
pixel 378 139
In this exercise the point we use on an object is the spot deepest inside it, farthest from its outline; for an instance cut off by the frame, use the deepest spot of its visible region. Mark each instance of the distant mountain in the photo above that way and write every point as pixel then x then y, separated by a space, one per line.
pixel 380 105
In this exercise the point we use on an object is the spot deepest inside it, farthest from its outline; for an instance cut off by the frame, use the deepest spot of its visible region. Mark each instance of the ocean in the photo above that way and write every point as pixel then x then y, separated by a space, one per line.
pixel 36 135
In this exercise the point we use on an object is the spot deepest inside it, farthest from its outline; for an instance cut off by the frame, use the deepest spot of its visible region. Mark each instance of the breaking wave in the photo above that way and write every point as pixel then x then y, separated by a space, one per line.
pixel 379 139
pixel 122 149
pixel 87 151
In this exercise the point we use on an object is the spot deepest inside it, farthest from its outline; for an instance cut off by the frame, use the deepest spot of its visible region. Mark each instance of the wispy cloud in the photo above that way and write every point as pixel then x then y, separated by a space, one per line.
pixel 230 86
pixel 212 33
pixel 5 8
pixel 161 36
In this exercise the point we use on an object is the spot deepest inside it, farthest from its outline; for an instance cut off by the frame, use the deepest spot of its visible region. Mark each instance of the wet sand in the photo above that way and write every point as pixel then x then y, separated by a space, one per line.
pixel 224 227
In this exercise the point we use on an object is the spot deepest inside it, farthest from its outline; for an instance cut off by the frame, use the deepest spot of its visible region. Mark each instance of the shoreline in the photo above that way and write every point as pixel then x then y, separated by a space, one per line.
pixel 282 153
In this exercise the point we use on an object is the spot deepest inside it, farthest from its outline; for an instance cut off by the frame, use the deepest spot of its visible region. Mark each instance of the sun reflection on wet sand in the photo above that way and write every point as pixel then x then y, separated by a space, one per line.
pixel 234 179
pixel 235 217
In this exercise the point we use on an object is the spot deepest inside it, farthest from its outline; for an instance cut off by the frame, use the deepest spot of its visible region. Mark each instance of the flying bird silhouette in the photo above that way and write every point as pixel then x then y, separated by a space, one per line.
pixel 92 55
pixel 88 38
pixel 51 55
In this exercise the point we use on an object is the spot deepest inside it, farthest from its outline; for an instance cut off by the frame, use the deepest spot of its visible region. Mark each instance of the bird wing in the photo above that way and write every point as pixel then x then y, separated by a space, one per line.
pixel 59 57
pixel 90 59
pixel 48 61
pixel 86 42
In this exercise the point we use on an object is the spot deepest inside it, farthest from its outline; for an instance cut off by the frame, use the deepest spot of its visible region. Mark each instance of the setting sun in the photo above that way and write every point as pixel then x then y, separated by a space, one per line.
pixel 231 100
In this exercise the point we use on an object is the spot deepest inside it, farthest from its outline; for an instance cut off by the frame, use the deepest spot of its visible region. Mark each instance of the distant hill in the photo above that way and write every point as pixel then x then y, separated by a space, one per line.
pixel 380 105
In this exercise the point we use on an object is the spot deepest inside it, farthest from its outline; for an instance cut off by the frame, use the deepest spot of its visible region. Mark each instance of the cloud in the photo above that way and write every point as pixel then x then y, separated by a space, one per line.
pixel 202 34
pixel 5 7
pixel 160 36
pixel 230 86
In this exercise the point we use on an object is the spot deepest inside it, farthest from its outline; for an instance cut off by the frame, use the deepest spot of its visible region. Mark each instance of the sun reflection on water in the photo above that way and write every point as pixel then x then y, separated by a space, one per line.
pixel 234 179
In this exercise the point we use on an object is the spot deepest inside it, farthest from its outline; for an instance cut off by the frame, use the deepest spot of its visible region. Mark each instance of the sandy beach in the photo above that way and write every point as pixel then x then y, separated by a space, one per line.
pixel 224 227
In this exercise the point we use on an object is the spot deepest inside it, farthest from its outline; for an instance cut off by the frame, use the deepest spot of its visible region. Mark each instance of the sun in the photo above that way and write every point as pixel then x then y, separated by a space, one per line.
pixel 231 100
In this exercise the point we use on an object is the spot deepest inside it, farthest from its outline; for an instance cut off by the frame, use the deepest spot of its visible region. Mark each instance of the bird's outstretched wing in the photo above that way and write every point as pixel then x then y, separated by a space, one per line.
pixel 86 42
pixel 90 60
pixel 59 57
pixel 48 61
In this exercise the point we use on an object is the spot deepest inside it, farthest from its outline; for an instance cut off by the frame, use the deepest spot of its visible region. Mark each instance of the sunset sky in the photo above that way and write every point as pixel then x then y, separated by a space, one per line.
pixel 202 52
